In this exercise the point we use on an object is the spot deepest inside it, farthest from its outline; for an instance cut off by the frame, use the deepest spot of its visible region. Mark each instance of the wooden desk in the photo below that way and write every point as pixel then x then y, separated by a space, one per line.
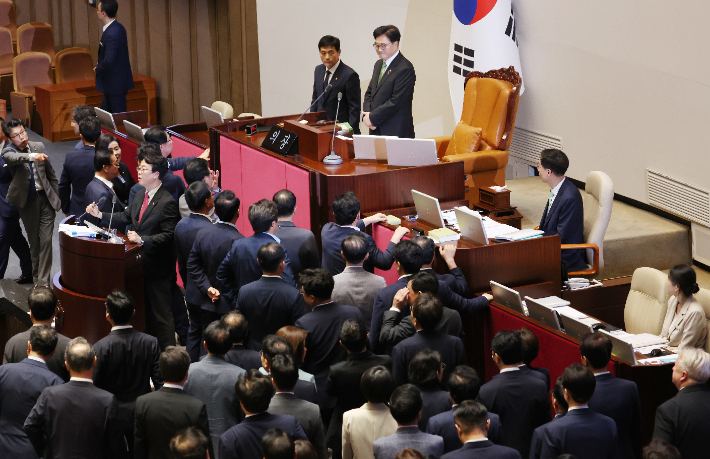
pixel 55 101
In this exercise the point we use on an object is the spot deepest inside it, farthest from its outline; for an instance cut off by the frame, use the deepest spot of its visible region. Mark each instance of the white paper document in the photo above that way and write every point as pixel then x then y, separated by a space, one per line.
pixel 371 146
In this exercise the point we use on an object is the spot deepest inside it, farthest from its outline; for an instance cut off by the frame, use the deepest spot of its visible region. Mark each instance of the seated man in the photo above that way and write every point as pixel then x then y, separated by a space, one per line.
pixel 198 170
pixel 299 242
pixel 247 359
pixel 564 212
pixel 472 425
pixel 455 280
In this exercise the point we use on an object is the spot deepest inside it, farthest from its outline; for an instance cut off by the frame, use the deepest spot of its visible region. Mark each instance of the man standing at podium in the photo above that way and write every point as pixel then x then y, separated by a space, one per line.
pixel 113 72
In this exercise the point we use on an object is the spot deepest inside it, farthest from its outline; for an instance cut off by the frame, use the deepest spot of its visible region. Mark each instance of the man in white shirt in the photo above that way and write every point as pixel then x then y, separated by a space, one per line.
pixel 100 189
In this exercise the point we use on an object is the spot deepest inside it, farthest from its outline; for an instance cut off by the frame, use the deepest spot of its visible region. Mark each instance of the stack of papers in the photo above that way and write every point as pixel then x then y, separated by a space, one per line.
pixel 519 235
pixel 80 230
pixel 641 340
pixel 659 360
pixel 577 315
pixel 553 302
pixel 441 235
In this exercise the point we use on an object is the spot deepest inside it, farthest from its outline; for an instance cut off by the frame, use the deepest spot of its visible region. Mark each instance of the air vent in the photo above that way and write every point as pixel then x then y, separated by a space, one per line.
pixel 526 145
pixel 679 198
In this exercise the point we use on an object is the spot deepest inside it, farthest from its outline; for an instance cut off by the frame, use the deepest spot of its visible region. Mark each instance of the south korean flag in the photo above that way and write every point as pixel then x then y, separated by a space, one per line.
pixel 483 38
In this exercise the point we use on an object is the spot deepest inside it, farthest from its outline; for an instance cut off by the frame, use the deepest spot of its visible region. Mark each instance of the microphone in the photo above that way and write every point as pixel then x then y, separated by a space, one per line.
pixel 113 203
pixel 114 239
pixel 77 220
pixel 327 88
pixel 332 158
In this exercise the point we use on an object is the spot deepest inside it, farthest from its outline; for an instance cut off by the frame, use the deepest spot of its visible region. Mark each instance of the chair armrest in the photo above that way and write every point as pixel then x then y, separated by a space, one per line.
pixel 479 161
pixel 595 264
pixel 442 143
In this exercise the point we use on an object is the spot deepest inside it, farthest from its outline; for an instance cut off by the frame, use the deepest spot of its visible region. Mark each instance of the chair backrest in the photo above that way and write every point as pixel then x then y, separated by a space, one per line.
pixel 703 297
pixel 7 52
pixel 486 105
pixel 36 36
pixel 598 201
pixel 224 108
pixel 249 114
pixel 646 305
pixel 30 70
pixel 74 64
pixel 8 18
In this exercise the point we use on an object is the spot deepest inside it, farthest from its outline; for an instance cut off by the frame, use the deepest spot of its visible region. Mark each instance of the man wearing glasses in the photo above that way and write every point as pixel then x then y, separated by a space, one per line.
pixel 387 108
pixel 34 191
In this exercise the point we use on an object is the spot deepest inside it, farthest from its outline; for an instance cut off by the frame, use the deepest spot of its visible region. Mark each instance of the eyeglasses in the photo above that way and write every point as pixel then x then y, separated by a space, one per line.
pixel 19 134
pixel 380 46
pixel 144 169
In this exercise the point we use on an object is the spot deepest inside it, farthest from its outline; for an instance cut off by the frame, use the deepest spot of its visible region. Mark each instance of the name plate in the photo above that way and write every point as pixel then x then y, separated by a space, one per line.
pixel 281 141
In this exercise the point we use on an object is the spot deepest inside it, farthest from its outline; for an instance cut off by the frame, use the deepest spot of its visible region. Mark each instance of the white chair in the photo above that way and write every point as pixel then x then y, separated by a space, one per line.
pixel 703 297
pixel 647 303
pixel 224 108
pixel 247 114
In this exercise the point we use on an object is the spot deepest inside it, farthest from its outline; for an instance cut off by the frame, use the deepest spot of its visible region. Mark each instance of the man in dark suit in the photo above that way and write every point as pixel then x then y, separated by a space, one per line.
pixel 463 385
pixel 123 183
pixel 78 114
pixel 240 266
pixel 472 426
pixel 238 355
pixel 277 444
pixel 519 399
pixel 190 443
pixel 299 242
pixel 126 360
pixel 682 420
pixel 387 107
pixel 20 386
pixel 161 414
pixel 153 216
pixel 100 188
pixel 244 440
pixel 346 209
pixel 560 407
pixel 275 345
pixel 564 212
pixel 426 372
pixel 113 72
pixel 455 280
pixel 343 79
pixel 284 375
pixel 614 397
pixel 531 349
pixel 76 419
pixel 201 203
pixel 43 306
pixel 79 169
pixel 269 303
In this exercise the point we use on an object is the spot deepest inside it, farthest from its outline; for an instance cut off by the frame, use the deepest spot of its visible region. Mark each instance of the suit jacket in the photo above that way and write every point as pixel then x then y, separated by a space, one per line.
pixel 390 101
pixel 240 267
pixel 521 402
pixel 450 348
pixel 243 441
pixel 535 374
pixel 269 303
pixel 544 371
pixel 95 191
pixel 113 74
pixel 344 80
pixel 357 287
pixel 171 182
pixel 246 359
pixel 75 419
pixel 443 425
pixel 344 378
pixel 16 351
pixel 393 332
pixel 307 414
pixel 306 390
pixel 19 165
pixel 566 219
pixel 185 234
pixel 185 209
pixel 157 229
pixel 20 386
pixel 332 236
pixel 123 183
pixel 687 328
pixel 212 381
pixel 482 450
pixel 160 415
pixel 408 437
pixel 582 433
pixel 383 303
pixel 455 280
pixel 434 401
pixel 682 421
pixel 77 173
pixel 539 436
pixel 7 210
pixel 619 400
pixel 301 244
pixel 364 425
pixel 211 246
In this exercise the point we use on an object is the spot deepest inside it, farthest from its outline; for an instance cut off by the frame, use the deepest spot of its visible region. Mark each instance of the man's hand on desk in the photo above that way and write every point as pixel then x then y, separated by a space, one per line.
pixel 400 299
pixel 488 296
pixel 366 120
pixel 213 293
pixel 399 233
pixel 205 155
pixel 447 252
pixel 374 219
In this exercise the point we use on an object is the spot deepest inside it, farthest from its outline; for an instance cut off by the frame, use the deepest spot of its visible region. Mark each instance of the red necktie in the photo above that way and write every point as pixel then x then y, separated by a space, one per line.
pixel 146 200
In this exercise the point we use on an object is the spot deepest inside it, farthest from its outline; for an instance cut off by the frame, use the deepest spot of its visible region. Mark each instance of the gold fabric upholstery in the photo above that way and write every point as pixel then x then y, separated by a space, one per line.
pixel 74 64
pixel 7 52
pixel 647 302
pixel 224 108
pixel 466 139
pixel 8 18
pixel 29 70
pixel 36 37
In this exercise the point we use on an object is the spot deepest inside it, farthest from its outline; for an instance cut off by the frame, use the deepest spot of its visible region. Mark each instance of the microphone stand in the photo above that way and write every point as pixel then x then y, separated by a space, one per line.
pixel 332 159
pixel 327 88
pixel 114 239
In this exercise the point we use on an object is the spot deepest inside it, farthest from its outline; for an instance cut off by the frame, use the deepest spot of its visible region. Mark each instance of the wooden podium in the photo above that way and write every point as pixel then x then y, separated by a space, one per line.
pixel 90 270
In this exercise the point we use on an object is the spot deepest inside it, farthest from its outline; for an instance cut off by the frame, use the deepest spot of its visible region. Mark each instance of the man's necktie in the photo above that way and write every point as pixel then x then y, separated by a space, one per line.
pixel 382 71
pixel 32 190
pixel 549 200
pixel 146 201
pixel 327 77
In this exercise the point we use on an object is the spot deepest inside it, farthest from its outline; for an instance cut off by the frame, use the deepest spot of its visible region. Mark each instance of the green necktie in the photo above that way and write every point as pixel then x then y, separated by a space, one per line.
pixel 382 71
pixel 549 200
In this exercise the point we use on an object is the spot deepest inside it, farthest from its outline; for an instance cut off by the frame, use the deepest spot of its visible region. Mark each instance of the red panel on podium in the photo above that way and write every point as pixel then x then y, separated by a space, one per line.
pixel 182 149
pixel 256 185
pixel 298 181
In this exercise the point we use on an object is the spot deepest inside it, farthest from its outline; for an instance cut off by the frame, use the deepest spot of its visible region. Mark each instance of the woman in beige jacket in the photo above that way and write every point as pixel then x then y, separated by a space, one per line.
pixel 685 324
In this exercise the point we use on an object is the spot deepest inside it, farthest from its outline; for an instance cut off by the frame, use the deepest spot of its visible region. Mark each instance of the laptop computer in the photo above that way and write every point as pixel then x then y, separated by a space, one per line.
pixel 471 226
pixel 428 209
pixel 411 152
pixel 544 314
pixel 621 349
pixel 507 297
pixel 134 131
pixel 105 118
pixel 212 117
pixel 575 328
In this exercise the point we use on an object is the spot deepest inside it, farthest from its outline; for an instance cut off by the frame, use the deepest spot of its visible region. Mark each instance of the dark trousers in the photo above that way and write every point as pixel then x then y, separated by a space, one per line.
pixel 38 218
pixel 194 333
pixel 11 238
pixel 158 310
pixel 114 103
pixel 179 310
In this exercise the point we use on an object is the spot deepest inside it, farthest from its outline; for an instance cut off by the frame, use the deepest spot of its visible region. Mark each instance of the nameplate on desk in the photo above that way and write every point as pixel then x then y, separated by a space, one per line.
pixel 281 141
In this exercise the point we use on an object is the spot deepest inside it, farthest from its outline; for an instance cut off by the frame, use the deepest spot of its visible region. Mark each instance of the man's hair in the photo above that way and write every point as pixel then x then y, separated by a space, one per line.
pixel 390 31
pixel 305 450
pixel 405 404
pixel 428 248
pixel 8 126
pixel 425 282
pixel 531 345
pixel 42 302
pixel 90 129
pixel 409 256
pixel 254 390
pixel 470 415
pixel 81 112
pixel 105 140
pixel 597 349
pixel 195 170
pixel 262 214
pixel 120 307
pixel 174 362
pixel 329 40
pixel 156 134
pixel 196 195
pixel 377 384
pixel 189 443
pixel 79 354
pixel 237 325
pixel 354 248
pixel 411 453
pixel 555 160
pixel 345 208
pixel 43 339
pixel 285 202
pixel 463 384
pixel 297 338
pixel 226 205
pixel 270 256
pixel 273 345
pixel 110 7
pixel 284 371
pixel 102 157
pixel 424 369
pixel 660 449
pixel 427 309
pixel 277 444
pixel 150 153
pixel 353 335
pixel 558 392
pixel 508 344
pixel 695 362
pixel 317 282
pixel 579 382
pixel 217 338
